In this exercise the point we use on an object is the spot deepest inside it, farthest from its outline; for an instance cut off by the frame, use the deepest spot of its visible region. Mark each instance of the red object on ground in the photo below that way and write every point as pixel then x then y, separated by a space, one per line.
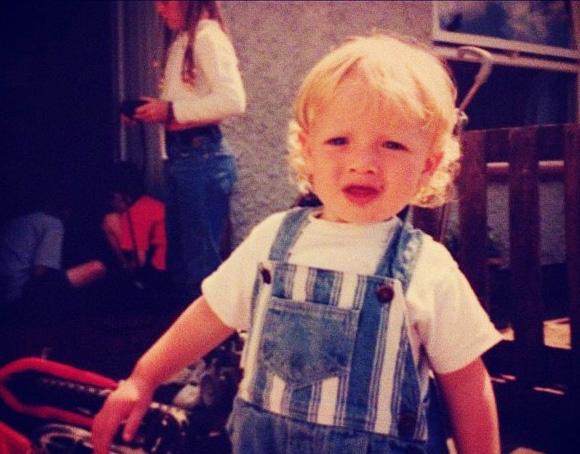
pixel 55 370
pixel 12 442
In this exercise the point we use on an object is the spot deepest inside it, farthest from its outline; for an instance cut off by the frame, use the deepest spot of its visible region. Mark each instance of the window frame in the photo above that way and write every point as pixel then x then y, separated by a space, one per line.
pixel 508 46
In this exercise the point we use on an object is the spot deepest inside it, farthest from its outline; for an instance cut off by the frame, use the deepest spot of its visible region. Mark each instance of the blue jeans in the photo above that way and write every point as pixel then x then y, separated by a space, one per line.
pixel 199 178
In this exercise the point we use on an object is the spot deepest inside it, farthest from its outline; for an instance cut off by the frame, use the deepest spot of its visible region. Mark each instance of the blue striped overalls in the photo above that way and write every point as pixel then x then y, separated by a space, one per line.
pixel 328 362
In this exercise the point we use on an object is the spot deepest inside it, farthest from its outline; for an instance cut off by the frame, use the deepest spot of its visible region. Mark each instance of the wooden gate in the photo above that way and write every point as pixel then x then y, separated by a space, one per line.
pixel 527 358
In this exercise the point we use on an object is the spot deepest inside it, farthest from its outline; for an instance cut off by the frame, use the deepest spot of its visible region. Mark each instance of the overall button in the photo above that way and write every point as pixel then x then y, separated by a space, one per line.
pixel 385 293
pixel 406 425
pixel 266 276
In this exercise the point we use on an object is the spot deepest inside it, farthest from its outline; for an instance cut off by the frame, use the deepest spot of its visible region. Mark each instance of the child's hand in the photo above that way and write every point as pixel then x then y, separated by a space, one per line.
pixel 128 403
pixel 155 111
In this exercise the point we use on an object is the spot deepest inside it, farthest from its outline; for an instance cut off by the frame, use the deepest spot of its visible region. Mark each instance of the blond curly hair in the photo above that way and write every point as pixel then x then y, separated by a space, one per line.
pixel 412 81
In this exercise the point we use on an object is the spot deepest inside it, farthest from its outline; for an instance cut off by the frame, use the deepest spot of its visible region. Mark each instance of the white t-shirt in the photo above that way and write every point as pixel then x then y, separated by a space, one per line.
pixel 442 309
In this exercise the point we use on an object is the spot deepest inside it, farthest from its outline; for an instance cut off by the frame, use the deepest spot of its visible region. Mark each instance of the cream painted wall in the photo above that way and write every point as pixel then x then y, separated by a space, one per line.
pixel 277 43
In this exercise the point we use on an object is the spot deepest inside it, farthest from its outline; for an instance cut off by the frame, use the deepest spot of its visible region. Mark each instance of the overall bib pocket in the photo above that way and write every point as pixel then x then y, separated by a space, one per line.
pixel 304 342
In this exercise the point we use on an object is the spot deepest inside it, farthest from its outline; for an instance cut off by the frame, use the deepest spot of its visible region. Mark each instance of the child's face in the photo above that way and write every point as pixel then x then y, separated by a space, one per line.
pixel 171 12
pixel 365 165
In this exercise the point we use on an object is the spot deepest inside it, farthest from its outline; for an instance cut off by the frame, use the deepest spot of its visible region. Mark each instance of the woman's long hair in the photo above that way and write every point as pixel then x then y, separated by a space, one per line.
pixel 193 10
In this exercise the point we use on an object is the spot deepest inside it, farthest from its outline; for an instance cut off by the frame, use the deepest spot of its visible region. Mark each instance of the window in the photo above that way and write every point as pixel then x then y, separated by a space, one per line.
pixel 535 75
pixel 517 96
pixel 541 27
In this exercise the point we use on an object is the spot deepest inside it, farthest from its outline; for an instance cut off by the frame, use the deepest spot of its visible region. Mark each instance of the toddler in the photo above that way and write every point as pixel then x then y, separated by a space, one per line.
pixel 349 310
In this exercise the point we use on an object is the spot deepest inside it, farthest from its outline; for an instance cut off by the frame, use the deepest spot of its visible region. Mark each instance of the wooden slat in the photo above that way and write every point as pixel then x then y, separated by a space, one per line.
pixel 572 204
pixel 525 252
pixel 550 142
pixel 473 214
pixel 549 170
pixel 497 145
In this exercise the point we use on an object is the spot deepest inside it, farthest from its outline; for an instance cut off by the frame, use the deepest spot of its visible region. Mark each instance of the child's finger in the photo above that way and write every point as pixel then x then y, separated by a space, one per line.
pixel 132 424
pixel 105 426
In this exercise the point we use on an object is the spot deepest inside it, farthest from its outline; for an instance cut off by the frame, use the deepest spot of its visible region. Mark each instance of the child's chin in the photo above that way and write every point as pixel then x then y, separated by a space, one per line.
pixel 354 218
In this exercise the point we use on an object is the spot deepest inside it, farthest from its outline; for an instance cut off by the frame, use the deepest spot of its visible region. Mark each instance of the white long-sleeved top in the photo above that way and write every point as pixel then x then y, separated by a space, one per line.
pixel 218 90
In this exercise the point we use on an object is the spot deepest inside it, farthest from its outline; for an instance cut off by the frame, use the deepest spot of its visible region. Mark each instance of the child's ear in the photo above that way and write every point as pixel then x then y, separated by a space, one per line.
pixel 303 138
pixel 431 163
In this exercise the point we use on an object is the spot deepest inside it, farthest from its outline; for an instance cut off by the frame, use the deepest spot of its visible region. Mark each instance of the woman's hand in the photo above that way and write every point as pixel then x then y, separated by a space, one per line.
pixel 155 111
pixel 128 403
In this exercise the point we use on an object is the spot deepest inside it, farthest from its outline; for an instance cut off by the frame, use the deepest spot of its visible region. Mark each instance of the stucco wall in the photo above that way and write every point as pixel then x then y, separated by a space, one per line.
pixel 277 43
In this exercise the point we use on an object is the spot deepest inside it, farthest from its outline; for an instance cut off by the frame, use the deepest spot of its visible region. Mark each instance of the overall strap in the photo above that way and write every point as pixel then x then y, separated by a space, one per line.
pixel 288 233
pixel 401 254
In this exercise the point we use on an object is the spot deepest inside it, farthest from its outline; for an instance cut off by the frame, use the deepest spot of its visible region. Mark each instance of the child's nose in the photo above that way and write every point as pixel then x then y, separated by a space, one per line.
pixel 363 160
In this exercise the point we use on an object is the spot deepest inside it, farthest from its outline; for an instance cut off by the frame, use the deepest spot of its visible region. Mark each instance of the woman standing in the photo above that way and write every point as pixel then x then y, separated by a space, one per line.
pixel 201 86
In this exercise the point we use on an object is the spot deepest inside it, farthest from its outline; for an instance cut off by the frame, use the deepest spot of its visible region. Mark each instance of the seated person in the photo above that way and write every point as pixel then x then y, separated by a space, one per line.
pixel 135 229
pixel 31 261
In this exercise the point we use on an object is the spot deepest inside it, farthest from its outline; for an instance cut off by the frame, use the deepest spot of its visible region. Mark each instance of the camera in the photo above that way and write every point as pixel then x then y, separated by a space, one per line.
pixel 129 106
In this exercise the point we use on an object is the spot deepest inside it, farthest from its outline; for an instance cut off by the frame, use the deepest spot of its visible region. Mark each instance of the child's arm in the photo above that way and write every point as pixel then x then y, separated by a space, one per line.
pixel 472 410
pixel 192 335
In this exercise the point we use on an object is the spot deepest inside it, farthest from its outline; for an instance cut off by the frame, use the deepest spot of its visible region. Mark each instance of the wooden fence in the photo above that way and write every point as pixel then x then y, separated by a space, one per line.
pixel 526 149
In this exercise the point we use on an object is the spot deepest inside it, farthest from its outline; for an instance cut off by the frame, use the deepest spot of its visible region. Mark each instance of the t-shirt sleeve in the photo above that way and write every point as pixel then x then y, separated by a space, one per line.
pixel 216 58
pixel 49 250
pixel 229 289
pixel 451 323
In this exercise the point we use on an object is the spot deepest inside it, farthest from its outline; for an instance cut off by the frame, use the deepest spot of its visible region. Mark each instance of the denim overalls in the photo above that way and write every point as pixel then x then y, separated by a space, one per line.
pixel 200 174
pixel 329 367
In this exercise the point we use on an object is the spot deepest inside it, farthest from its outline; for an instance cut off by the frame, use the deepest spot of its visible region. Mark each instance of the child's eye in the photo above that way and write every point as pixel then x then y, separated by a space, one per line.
pixel 392 145
pixel 337 141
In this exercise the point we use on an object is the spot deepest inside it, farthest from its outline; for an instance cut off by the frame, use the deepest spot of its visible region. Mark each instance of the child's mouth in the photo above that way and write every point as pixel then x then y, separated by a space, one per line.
pixel 360 194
